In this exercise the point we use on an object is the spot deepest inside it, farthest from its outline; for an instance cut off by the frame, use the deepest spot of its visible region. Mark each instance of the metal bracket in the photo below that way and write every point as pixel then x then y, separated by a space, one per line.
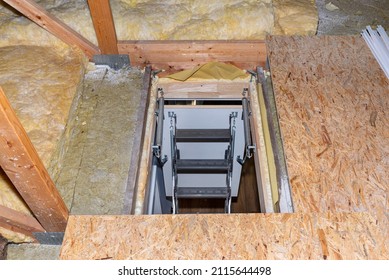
pixel 157 147
pixel 154 73
pixel 49 238
pixel 246 113
pixel 253 75
pixel 115 61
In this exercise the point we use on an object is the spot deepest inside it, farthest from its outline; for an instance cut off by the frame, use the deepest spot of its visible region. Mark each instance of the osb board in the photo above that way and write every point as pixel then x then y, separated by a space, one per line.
pixel 40 84
pixel 220 236
pixel 332 100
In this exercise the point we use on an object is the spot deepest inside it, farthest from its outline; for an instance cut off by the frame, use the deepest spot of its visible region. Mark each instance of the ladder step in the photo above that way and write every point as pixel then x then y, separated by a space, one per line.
pixel 203 135
pixel 202 166
pixel 202 192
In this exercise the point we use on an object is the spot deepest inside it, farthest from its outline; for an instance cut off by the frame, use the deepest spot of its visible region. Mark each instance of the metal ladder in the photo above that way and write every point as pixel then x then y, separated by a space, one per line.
pixel 202 166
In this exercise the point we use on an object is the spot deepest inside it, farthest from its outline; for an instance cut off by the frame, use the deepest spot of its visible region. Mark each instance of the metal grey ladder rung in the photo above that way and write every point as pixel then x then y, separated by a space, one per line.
pixel 202 192
pixel 202 166
pixel 203 135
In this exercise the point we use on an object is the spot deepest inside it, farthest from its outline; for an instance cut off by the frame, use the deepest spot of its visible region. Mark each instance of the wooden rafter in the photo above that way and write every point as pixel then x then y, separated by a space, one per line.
pixel 104 26
pixel 52 24
pixel 21 163
pixel 19 222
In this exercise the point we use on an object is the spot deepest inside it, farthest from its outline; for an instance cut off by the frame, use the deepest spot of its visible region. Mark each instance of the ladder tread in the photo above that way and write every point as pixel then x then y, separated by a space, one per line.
pixel 200 166
pixel 202 192
pixel 203 135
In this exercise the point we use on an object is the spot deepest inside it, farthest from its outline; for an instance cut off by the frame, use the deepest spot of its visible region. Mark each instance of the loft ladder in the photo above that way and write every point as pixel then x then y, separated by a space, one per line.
pixel 202 166
pixel 196 167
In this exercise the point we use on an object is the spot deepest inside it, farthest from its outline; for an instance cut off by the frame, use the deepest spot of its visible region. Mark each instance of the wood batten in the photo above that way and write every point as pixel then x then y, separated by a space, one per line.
pixel 21 163
pixel 173 56
pixel 104 26
pixel 18 222
pixel 203 89
pixel 52 24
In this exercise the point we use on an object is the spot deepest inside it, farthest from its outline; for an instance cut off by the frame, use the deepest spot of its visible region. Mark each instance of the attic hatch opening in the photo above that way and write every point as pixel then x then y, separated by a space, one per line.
pixel 204 156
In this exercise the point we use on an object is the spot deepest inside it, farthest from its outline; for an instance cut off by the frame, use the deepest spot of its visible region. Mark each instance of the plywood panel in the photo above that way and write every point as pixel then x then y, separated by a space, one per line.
pixel 332 99
pixel 220 236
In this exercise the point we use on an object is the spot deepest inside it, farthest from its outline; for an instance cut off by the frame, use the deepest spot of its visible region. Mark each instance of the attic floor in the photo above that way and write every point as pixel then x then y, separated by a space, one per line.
pixel 107 118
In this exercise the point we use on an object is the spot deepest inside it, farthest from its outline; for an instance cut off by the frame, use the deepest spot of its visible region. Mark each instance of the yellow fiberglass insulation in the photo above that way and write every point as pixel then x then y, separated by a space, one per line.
pixel 40 84
pixel 295 17
pixel 169 20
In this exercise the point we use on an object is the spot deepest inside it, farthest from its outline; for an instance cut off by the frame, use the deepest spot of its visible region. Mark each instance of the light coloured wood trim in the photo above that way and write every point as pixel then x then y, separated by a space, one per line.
pixel 203 89
pixel 19 222
pixel 52 24
pixel 104 25
pixel 21 163
pixel 260 156
pixel 173 56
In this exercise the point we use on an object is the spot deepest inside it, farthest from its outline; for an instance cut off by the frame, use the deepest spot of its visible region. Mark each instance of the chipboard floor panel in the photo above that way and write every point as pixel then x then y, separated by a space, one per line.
pixel 220 236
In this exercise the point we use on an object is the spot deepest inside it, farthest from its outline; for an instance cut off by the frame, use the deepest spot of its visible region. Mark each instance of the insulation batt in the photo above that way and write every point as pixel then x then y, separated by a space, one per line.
pixel 40 84
pixel 170 19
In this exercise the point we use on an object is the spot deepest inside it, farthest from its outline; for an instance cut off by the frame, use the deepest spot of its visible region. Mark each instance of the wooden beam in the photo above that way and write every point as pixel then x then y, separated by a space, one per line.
pixel 19 222
pixel 104 26
pixel 21 163
pixel 52 24
pixel 174 56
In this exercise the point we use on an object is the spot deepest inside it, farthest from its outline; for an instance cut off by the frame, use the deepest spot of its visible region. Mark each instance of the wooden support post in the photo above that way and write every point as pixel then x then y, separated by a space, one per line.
pixel 104 26
pixel 19 222
pixel 21 163
pixel 52 24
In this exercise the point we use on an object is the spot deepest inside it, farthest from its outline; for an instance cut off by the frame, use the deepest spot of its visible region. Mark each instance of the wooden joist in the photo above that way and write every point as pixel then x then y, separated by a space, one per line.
pixel 52 24
pixel 173 56
pixel 18 222
pixel 21 163
pixel 104 26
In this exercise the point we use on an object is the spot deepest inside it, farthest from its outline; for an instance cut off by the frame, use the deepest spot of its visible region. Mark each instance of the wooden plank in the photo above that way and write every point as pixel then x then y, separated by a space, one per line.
pixel 104 26
pixel 203 89
pixel 52 24
pixel 146 155
pixel 173 56
pixel 285 204
pixel 260 157
pixel 19 222
pixel 139 138
pixel 21 163
pixel 332 101
pixel 258 236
